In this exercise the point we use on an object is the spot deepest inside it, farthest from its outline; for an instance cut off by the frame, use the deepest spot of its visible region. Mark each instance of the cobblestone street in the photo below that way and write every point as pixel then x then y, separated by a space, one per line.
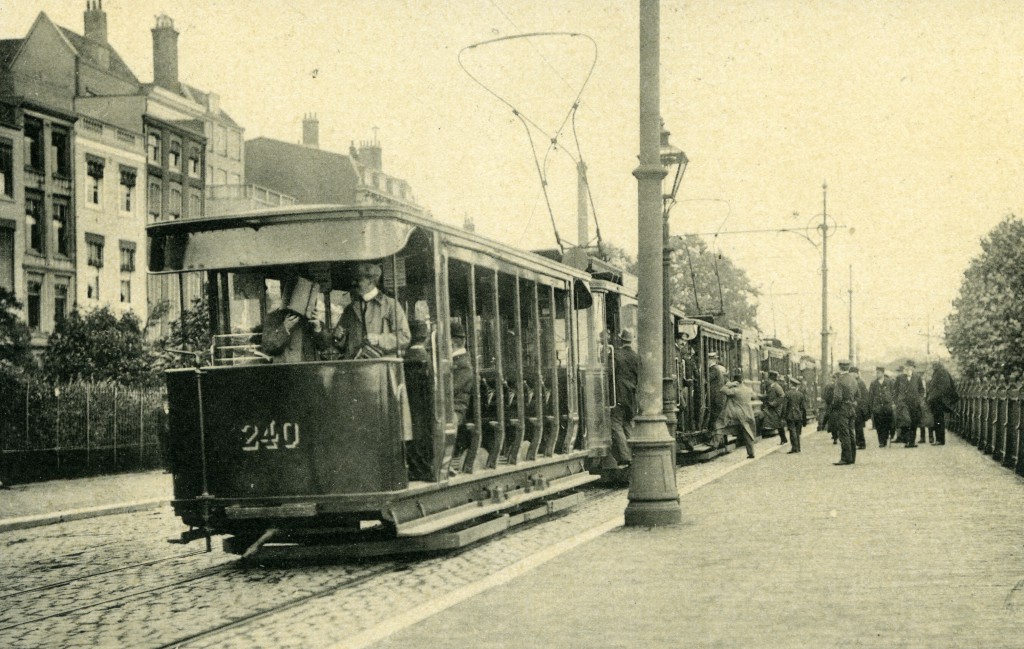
pixel 912 548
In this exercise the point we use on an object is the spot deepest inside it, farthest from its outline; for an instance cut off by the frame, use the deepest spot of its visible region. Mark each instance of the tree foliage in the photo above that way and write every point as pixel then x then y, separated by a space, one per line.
pixel 722 288
pixel 188 344
pixel 985 329
pixel 98 346
pixel 735 305
pixel 15 337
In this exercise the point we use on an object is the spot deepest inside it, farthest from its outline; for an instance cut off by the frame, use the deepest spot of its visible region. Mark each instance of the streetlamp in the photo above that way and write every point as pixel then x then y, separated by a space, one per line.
pixel 674 161
pixel 653 495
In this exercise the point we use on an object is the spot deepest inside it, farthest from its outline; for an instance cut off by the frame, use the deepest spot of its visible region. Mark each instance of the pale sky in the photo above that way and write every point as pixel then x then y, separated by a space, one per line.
pixel 909 110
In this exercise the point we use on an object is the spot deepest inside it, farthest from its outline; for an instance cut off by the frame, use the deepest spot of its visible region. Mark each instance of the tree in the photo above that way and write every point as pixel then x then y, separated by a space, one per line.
pixel 98 346
pixel 722 288
pixel 190 333
pixel 15 337
pixel 984 331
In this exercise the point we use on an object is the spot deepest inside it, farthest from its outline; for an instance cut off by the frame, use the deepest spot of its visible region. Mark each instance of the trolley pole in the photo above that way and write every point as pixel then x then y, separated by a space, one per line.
pixel 653 496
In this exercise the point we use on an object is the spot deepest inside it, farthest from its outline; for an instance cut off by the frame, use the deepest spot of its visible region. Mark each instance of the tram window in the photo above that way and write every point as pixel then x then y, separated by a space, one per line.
pixel 246 306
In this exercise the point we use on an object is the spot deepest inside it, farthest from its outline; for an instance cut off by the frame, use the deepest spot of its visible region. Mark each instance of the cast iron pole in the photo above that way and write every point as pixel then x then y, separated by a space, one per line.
pixel 826 368
pixel 653 496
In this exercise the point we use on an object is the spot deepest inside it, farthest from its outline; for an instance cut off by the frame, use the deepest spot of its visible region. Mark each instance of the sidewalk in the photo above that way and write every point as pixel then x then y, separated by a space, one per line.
pixel 43 503
pixel 908 548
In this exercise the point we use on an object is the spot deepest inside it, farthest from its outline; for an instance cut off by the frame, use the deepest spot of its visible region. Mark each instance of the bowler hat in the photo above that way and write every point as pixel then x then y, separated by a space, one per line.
pixel 911 363
pixel 458 331
pixel 880 368
pixel 626 335
pixel 844 365
pixel 773 374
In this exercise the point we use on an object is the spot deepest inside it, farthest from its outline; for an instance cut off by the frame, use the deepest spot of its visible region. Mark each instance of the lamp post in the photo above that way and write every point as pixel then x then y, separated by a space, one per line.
pixel 653 496
pixel 674 161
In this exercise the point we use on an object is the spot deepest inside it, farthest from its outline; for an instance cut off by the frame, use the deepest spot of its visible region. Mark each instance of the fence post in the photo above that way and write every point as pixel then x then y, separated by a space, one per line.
pixel 999 439
pixel 142 425
pixel 88 430
pixel 115 426
pixel 1016 463
pixel 56 395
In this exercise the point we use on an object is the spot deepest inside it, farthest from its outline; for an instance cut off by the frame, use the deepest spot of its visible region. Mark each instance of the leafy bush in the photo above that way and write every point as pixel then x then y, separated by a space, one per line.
pixel 98 346
pixel 190 333
pixel 985 329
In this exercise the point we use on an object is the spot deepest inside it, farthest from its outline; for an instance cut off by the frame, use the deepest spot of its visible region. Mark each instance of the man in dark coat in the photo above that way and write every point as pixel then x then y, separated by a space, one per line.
pixel 796 413
pixel 627 375
pixel 825 416
pixel 844 410
pixel 292 333
pixel 880 395
pixel 462 388
pixel 717 378
pixel 941 398
pixel 863 414
pixel 772 415
pixel 908 393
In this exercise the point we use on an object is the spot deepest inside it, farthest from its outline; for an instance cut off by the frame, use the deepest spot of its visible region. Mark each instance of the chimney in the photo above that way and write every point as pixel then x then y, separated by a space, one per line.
pixel 96 33
pixel 311 131
pixel 213 102
pixel 95 21
pixel 165 53
pixel 370 153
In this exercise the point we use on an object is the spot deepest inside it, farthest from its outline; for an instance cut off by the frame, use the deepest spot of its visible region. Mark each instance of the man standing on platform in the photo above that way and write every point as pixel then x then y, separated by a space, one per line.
pixel 941 399
pixel 717 378
pixel 796 413
pixel 908 392
pixel 627 375
pixel 880 405
pixel 863 414
pixel 844 410
pixel 773 417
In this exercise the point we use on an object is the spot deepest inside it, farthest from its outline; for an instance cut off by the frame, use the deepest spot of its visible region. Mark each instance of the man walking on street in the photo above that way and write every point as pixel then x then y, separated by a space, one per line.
pixel 773 417
pixel 844 409
pixel 796 413
pixel 863 414
pixel 880 405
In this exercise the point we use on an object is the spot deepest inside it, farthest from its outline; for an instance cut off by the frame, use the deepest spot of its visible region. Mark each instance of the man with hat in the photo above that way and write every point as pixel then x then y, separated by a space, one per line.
pixel 717 378
pixel 373 324
pixel 862 408
pixel 796 413
pixel 844 410
pixel 908 393
pixel 462 387
pixel 880 405
pixel 627 375
pixel 772 416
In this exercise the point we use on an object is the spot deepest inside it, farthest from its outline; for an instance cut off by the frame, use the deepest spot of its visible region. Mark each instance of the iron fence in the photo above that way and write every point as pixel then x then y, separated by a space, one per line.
pixel 988 415
pixel 78 429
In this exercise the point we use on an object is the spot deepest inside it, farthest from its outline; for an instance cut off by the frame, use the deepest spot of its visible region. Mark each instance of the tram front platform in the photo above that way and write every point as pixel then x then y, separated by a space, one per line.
pixel 909 547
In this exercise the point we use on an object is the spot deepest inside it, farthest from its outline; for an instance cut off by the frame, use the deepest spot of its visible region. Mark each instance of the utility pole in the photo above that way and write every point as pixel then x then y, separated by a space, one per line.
pixel 653 495
pixel 853 358
pixel 582 218
pixel 826 367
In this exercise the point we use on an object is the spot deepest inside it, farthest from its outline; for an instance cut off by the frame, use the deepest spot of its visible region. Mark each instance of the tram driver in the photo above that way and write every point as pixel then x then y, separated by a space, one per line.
pixel 292 333
pixel 373 324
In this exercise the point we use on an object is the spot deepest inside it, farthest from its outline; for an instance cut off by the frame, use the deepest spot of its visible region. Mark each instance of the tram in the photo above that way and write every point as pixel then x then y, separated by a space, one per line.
pixel 362 449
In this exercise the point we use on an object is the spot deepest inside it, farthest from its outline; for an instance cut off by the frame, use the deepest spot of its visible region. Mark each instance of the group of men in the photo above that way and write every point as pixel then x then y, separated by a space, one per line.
pixel 897 408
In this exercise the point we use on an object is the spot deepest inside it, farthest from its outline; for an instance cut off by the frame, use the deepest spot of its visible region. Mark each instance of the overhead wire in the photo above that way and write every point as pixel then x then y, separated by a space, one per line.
pixel 528 122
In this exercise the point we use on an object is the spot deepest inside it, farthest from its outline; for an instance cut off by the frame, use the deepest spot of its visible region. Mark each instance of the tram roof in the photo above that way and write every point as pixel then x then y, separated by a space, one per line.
pixel 316 233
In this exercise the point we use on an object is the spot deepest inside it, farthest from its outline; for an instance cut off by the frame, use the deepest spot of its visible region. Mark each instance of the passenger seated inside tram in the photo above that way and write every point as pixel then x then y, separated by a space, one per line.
pixel 292 333
pixel 373 324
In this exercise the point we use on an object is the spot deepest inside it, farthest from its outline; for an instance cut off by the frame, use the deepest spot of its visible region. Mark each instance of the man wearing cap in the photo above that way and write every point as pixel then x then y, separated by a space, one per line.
pixel 738 411
pixel 717 377
pixel 880 405
pixel 844 409
pixel 627 375
pixel 908 392
pixel 863 414
pixel 796 413
pixel 772 416
pixel 373 324
pixel 462 388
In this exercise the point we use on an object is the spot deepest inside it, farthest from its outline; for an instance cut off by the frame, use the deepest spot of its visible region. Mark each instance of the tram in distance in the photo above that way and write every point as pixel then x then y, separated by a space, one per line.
pixel 360 455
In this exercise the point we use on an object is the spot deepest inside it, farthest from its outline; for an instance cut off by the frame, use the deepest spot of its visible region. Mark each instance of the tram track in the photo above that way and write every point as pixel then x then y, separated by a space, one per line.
pixel 98 573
